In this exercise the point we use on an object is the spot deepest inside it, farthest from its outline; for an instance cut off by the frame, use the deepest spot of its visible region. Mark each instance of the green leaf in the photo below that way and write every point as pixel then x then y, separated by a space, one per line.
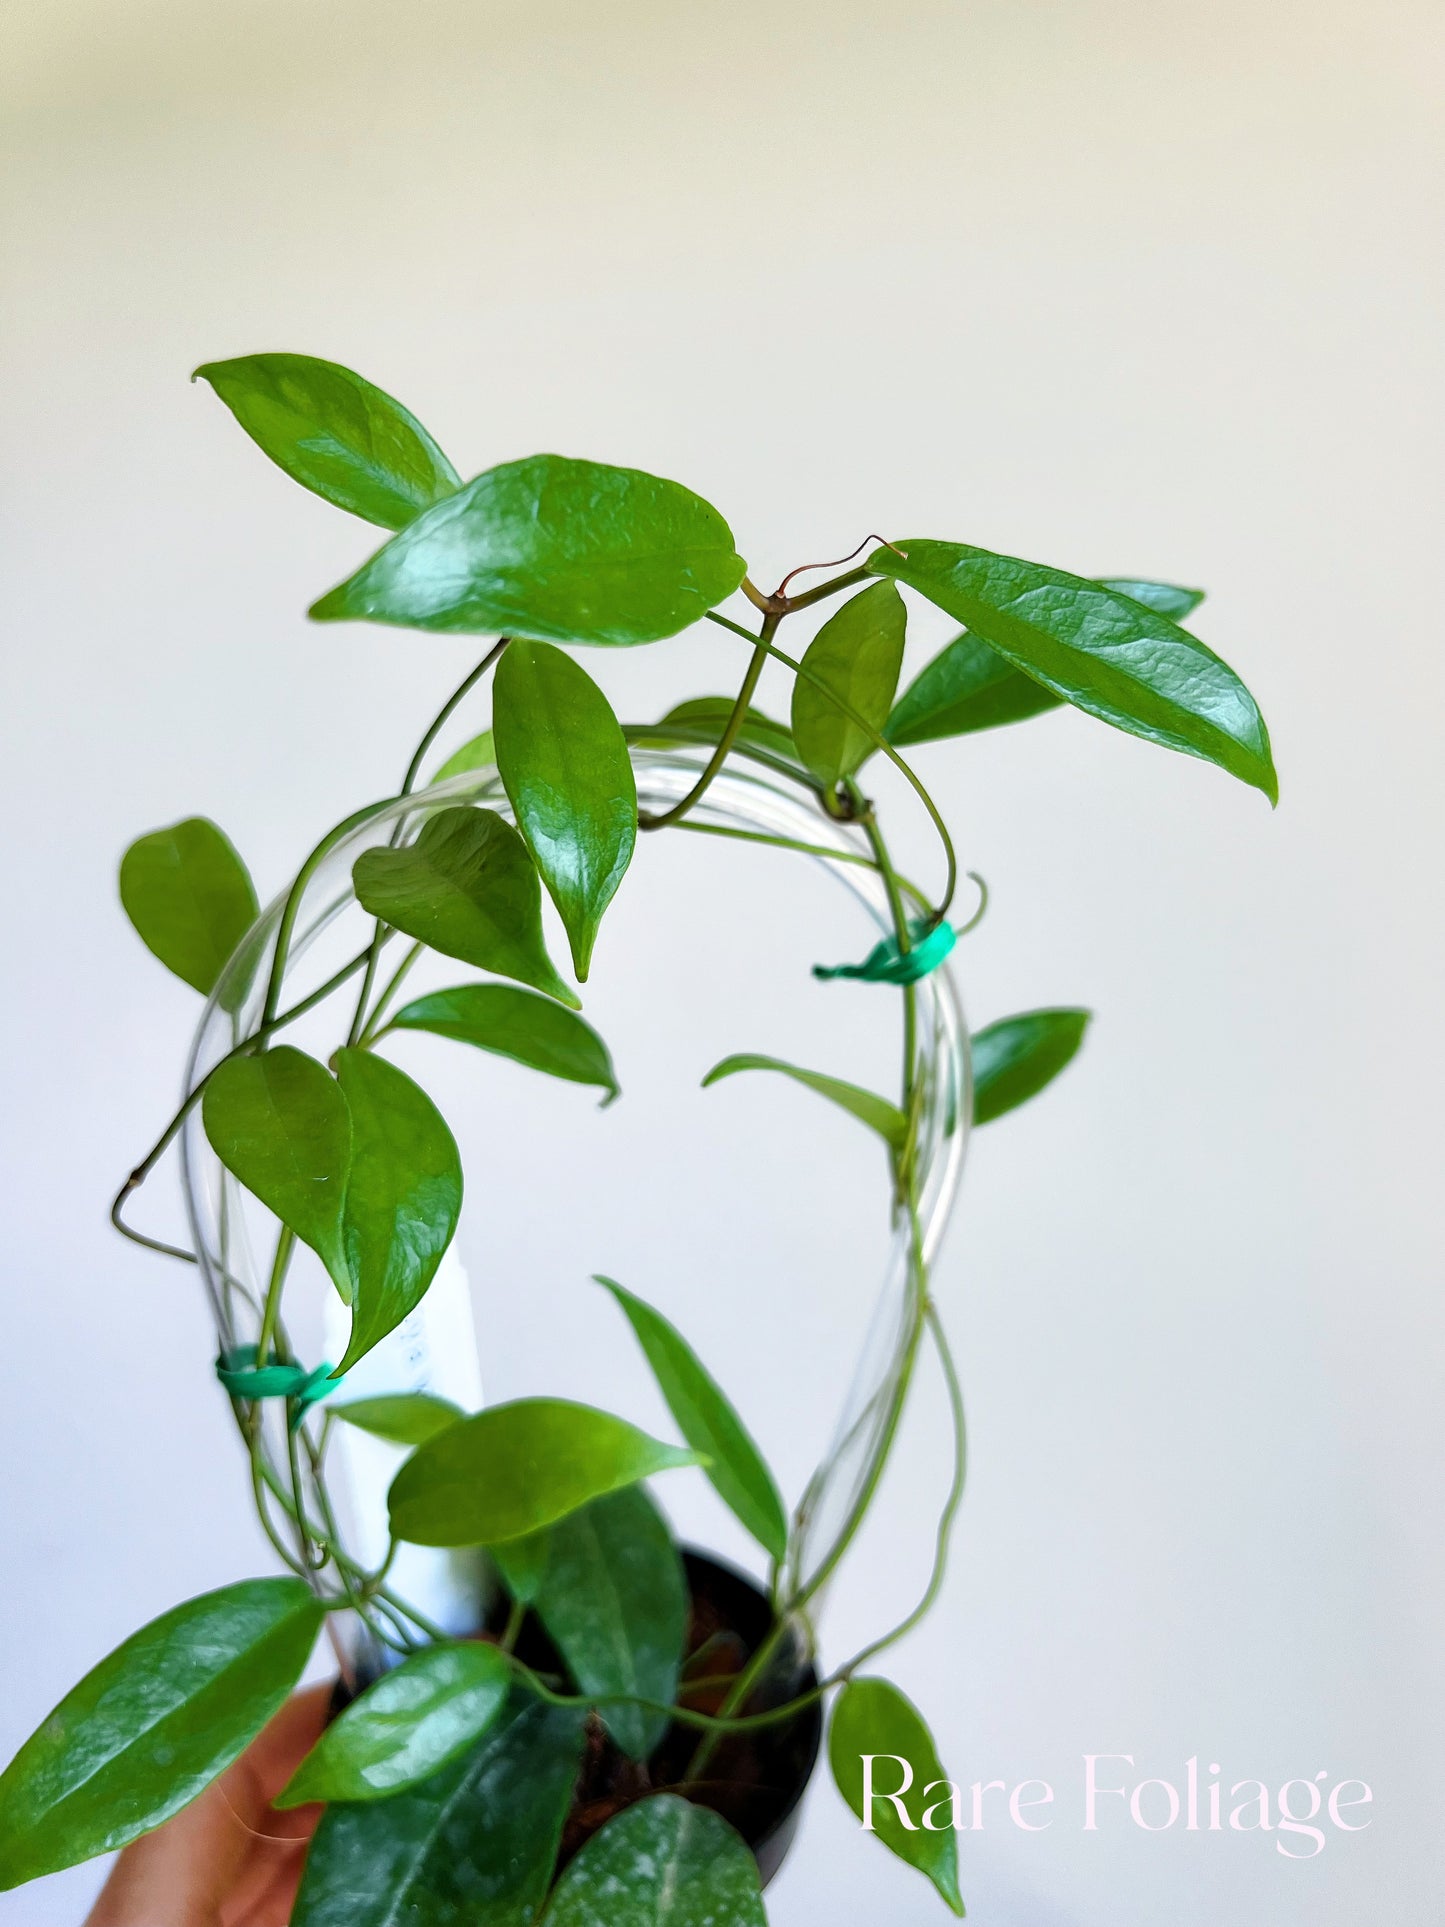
pixel 515 1468
pixel 279 1122
pixel 1166 598
pixel 564 765
pixel 708 716
pixel 614 1600
pixel 967 686
pixel 562 550
pixel 402 1418
pixel 473 1846
pixel 412 1722
pixel 876 1112
pixel 515 1023
pixel 403 1196
pixel 479 753
pixel 191 900
pixel 660 1863
pixel 858 653
pixel 871 1717
pixel 523 1565
pixel 335 434
pixel 152 1725
pixel 1108 654
pixel 467 887
pixel 1016 1057
pixel 709 1424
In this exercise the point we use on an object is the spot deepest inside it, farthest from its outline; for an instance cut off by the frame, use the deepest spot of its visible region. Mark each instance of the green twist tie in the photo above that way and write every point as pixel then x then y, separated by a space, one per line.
pixel 244 1378
pixel 887 964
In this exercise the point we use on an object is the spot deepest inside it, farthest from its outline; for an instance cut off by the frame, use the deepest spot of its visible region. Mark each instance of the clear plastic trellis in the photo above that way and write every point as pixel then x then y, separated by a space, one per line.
pixel 230 1231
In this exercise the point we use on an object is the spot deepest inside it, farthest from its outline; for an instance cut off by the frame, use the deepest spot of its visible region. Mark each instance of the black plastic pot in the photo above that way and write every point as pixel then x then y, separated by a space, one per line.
pixel 755 1780
pixel 765 1810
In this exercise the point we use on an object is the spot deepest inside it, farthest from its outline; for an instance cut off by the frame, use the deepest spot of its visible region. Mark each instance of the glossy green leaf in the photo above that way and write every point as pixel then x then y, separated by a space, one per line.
pixel 480 752
pixel 1108 654
pixel 514 1023
pixel 561 550
pixel 469 888
pixel 661 1863
pixel 564 765
pixel 335 434
pixel 1166 598
pixel 614 1600
pixel 190 898
pixel 708 716
pixel 1016 1057
pixel 709 1423
pixel 966 687
pixel 872 1718
pixel 473 1846
pixel 969 686
pixel 402 1418
pixel 515 1468
pixel 153 1724
pixel 403 1196
pixel 405 1727
pixel 858 653
pixel 874 1111
pixel 279 1122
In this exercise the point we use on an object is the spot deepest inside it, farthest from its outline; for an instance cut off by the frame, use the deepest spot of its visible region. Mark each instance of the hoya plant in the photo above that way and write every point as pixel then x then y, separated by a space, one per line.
pixel 618 1728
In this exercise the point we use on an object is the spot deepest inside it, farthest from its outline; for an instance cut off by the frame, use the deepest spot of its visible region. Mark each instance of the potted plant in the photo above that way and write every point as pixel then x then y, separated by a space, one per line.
pixel 600 1725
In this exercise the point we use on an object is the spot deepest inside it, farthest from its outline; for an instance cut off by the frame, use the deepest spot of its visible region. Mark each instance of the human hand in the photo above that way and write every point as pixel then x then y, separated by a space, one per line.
pixel 228 1859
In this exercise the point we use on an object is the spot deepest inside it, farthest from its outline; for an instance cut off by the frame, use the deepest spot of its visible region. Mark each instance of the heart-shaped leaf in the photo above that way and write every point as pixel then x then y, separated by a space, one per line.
pixel 335 434
pixel 515 1023
pixel 858 652
pixel 1016 1057
pixel 562 550
pixel 412 1722
pixel 469 888
pixel 873 1722
pixel 969 686
pixel 153 1724
pixel 564 764
pixel 403 1196
pixel 401 1418
pixel 515 1468
pixel 1110 655
pixel 473 1846
pixel 191 900
pixel 661 1863
pixel 279 1122
pixel 613 1597
pixel 709 1423
pixel 874 1111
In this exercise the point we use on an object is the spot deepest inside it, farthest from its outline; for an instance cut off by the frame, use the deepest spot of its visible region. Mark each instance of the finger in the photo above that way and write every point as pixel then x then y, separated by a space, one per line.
pixel 187 1872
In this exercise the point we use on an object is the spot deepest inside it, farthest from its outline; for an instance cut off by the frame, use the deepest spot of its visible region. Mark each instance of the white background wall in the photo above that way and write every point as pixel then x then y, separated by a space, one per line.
pixel 1122 286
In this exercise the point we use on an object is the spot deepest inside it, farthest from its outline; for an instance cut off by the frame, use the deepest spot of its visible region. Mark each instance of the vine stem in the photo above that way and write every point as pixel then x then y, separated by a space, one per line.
pixel 803 849
pixel 408 783
pixel 244 1049
pixel 646 819
pixel 878 740
pixel 795 1603
pixel 954 1500
pixel 292 907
